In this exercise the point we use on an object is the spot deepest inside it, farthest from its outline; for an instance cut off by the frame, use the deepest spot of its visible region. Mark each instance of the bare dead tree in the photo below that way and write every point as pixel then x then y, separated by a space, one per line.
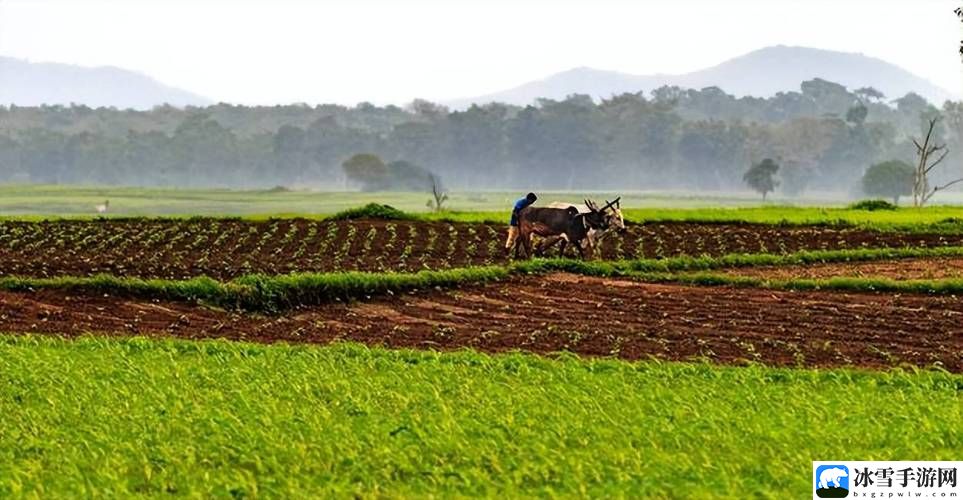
pixel 921 185
pixel 440 196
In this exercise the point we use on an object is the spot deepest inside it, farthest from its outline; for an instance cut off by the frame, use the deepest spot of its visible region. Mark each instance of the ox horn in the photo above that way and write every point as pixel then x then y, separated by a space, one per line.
pixel 611 203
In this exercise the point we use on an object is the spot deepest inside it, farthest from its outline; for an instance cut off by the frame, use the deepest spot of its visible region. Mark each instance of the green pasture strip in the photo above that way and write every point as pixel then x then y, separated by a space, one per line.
pixel 81 200
pixel 698 270
pixel 939 219
pixel 355 213
pixel 278 292
pixel 928 220
pixel 273 293
pixel 96 417
pixel 776 214
pixel 945 286
pixel 201 288
pixel 29 199
pixel 260 292
pixel 687 263
pixel 34 203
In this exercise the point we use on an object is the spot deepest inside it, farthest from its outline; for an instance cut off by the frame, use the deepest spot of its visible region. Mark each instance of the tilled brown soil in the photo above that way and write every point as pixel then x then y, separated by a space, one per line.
pixel 560 312
pixel 898 269
pixel 227 248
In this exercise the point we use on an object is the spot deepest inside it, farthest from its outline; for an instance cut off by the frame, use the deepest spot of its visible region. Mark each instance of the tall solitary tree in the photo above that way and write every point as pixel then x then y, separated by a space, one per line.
pixel 891 179
pixel 761 177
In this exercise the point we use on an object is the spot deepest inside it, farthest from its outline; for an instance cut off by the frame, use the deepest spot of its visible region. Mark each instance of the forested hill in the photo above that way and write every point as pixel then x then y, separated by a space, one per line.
pixel 27 83
pixel 760 73
pixel 824 136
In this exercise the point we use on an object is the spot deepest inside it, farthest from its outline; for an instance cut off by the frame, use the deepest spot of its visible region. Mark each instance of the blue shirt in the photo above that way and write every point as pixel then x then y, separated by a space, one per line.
pixel 519 206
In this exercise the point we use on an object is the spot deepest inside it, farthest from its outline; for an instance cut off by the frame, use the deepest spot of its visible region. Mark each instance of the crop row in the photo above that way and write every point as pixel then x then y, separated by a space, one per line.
pixel 227 248
pixel 273 293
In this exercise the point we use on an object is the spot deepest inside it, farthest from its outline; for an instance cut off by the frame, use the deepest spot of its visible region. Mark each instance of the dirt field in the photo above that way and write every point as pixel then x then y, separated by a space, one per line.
pixel 560 312
pixel 224 248
pixel 901 269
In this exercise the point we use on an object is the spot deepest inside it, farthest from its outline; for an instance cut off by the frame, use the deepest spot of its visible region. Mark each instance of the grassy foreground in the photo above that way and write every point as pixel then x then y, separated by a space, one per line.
pixel 99 417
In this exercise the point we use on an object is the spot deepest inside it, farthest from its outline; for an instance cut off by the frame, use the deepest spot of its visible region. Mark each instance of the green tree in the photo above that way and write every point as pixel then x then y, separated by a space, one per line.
pixel 204 150
pixel 406 176
pixel 667 138
pixel 891 179
pixel 869 94
pixel 373 174
pixel 711 153
pixel 830 96
pixel 856 115
pixel 796 177
pixel 761 177
pixel 366 169
pixel 291 153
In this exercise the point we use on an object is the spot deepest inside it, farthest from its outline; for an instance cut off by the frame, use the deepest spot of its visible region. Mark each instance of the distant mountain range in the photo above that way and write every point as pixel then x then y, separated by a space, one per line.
pixel 761 73
pixel 26 83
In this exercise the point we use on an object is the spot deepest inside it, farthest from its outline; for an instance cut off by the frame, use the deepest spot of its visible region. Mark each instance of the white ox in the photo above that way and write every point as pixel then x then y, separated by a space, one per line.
pixel 613 218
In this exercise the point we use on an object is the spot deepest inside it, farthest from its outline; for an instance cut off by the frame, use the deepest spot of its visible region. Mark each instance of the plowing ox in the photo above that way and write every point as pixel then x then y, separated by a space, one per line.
pixel 566 224
pixel 614 222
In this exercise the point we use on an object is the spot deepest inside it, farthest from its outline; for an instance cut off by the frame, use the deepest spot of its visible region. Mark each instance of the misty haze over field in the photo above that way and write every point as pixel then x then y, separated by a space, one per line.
pixel 671 114
pixel 823 136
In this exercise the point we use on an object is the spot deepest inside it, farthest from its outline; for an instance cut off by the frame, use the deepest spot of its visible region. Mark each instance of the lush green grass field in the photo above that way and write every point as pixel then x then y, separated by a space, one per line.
pixel 37 202
pixel 940 218
pixel 82 200
pixel 776 214
pixel 98 417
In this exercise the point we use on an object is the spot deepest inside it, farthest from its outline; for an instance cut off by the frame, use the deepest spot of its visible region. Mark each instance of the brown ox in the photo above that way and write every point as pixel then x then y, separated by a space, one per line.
pixel 566 223
pixel 615 223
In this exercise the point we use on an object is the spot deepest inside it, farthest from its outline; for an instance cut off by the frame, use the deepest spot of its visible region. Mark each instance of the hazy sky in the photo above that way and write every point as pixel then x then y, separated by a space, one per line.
pixel 267 52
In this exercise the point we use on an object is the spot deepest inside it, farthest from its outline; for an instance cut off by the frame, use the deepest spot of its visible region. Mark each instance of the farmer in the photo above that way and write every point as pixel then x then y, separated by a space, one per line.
pixel 513 223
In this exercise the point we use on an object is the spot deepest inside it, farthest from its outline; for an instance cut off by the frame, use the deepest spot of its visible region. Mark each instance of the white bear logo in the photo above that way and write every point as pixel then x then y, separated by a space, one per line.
pixel 831 476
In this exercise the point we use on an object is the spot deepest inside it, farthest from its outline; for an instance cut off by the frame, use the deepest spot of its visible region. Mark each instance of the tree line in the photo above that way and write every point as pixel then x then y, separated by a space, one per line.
pixel 823 137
